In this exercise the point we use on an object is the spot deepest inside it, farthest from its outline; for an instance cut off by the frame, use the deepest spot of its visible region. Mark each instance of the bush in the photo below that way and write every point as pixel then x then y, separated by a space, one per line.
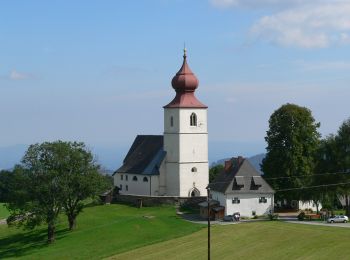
pixel 301 216
pixel 273 216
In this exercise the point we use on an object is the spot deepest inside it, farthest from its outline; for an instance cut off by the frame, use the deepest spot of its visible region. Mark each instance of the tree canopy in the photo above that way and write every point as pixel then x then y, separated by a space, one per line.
pixel 54 176
pixel 292 141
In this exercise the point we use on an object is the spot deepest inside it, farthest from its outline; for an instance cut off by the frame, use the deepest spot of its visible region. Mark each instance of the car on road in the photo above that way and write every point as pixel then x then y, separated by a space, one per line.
pixel 235 217
pixel 338 219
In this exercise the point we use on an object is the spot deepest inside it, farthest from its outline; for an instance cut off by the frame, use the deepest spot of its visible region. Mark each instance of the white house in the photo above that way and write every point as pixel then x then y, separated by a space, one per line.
pixel 175 164
pixel 240 188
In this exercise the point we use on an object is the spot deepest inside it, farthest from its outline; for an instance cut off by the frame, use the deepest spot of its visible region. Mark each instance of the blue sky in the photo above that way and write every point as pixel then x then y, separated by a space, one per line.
pixel 100 71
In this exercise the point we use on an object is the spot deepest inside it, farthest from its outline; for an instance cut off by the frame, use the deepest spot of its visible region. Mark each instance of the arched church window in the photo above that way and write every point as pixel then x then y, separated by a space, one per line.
pixel 171 121
pixel 134 178
pixel 193 119
pixel 145 179
pixel 194 169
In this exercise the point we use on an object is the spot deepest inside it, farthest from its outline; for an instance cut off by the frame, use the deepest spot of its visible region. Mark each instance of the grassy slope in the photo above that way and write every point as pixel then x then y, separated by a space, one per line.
pixel 259 240
pixel 102 231
pixel 3 211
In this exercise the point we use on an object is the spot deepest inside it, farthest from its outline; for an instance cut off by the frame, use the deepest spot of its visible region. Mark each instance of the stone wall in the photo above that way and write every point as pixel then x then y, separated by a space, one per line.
pixel 158 200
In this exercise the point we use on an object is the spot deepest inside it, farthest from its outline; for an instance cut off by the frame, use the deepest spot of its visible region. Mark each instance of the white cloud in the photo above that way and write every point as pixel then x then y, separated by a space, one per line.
pixel 305 24
pixel 259 3
pixel 15 75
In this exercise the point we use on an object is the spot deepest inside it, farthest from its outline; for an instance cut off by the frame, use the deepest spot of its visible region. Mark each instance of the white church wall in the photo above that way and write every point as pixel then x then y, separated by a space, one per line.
pixel 193 179
pixel 162 179
pixel 185 115
pixel 193 148
pixel 129 186
pixel 174 113
pixel 172 179
pixel 171 146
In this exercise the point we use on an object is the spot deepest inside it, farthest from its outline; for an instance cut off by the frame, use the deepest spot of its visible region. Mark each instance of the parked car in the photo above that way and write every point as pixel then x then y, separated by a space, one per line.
pixel 234 217
pixel 338 219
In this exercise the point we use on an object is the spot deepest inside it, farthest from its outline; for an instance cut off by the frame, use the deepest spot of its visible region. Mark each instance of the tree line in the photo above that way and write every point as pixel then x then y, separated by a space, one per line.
pixel 300 164
pixel 52 178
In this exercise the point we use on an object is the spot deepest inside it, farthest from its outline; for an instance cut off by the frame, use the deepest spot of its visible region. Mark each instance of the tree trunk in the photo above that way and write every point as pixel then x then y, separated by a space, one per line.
pixel 347 206
pixel 50 233
pixel 72 222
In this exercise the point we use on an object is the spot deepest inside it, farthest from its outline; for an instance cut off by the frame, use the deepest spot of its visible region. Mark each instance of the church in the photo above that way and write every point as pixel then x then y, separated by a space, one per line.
pixel 175 163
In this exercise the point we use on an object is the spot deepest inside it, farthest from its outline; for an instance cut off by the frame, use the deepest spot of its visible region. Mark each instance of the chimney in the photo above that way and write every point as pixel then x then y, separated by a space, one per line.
pixel 239 160
pixel 228 165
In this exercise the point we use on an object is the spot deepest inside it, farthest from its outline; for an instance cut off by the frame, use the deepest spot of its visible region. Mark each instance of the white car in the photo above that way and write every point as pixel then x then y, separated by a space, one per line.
pixel 338 219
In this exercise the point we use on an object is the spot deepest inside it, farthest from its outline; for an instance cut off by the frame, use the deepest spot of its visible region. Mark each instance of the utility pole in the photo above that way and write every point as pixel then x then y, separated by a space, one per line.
pixel 208 197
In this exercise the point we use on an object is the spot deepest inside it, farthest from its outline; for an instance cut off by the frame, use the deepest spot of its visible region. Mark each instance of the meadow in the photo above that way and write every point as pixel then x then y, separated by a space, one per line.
pixel 101 231
pixel 3 211
pixel 125 232
pixel 255 240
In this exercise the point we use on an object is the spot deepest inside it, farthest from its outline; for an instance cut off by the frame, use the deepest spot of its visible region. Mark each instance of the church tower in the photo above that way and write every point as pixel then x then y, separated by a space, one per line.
pixel 186 138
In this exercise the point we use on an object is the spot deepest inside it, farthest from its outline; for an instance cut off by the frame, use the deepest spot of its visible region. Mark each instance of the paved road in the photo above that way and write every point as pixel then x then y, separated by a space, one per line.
pixel 197 219
pixel 319 223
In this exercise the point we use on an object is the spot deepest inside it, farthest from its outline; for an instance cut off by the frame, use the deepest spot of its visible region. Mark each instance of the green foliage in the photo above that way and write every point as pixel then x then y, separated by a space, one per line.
pixel 273 216
pixel 102 231
pixel 301 216
pixel 334 157
pixel 292 142
pixel 53 176
pixel 214 171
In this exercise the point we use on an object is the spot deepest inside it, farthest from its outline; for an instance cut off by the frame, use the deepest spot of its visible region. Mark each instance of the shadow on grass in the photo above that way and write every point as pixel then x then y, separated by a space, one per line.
pixel 18 245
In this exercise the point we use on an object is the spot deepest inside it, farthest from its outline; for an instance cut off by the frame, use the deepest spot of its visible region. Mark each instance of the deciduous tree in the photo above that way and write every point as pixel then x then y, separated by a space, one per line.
pixel 292 140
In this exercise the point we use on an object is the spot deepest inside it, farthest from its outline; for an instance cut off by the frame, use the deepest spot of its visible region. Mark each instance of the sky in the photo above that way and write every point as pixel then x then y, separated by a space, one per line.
pixel 100 71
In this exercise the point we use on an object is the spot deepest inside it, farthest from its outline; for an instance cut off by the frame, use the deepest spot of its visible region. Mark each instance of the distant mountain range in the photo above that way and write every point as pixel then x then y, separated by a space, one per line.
pixel 111 156
pixel 255 160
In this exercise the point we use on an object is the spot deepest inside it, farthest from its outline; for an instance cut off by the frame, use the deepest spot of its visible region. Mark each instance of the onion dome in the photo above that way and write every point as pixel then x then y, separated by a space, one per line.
pixel 185 84
pixel 184 80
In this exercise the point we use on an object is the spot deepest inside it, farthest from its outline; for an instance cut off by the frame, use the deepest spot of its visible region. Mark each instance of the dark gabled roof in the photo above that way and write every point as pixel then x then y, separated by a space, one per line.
pixel 240 177
pixel 145 156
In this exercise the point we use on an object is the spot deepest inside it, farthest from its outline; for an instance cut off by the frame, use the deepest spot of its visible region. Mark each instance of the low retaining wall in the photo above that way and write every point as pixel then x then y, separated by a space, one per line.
pixel 138 200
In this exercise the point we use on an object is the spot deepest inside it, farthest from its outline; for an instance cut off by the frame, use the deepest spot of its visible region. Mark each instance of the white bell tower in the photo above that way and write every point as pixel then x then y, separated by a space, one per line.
pixel 186 138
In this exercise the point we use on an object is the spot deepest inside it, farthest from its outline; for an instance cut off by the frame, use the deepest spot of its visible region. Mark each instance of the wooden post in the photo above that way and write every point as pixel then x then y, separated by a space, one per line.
pixel 208 195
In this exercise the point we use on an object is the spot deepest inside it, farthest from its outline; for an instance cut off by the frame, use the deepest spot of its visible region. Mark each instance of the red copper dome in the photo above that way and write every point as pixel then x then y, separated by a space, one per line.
pixel 185 83
pixel 184 80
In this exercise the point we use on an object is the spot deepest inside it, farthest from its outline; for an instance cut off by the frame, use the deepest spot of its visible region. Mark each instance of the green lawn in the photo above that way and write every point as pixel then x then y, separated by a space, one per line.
pixel 3 211
pixel 102 231
pixel 256 240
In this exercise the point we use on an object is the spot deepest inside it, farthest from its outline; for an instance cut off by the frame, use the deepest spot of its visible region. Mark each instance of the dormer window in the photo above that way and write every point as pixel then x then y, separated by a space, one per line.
pixel 193 119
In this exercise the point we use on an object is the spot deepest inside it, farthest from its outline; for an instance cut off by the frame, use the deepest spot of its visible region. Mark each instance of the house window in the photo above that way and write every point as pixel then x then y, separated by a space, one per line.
pixel 145 179
pixel 126 177
pixel 121 177
pixel 193 119
pixel 134 178
pixel 126 187
pixel 194 169
pixel 121 187
pixel 262 200
pixel 171 121
pixel 236 201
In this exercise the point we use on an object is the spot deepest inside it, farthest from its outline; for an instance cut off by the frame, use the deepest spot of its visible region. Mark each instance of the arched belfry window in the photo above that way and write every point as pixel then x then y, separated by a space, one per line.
pixel 171 121
pixel 193 119
pixel 194 169
pixel 134 178
pixel 145 179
